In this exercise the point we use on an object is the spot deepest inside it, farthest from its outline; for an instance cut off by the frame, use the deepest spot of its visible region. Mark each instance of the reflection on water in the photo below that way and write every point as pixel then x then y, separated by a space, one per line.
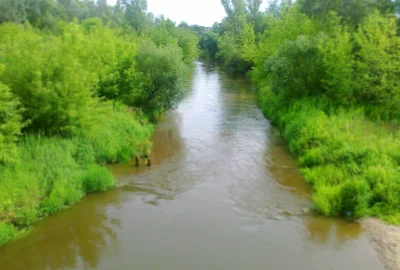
pixel 284 168
pixel 68 240
pixel 324 229
pixel 223 193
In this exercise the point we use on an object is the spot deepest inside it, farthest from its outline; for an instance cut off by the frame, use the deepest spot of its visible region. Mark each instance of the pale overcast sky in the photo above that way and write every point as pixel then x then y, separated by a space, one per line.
pixel 201 12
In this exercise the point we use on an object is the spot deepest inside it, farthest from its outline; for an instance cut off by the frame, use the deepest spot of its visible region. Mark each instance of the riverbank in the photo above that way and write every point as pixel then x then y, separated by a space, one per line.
pixel 53 173
pixel 386 240
pixel 350 161
pixel 75 97
pixel 351 164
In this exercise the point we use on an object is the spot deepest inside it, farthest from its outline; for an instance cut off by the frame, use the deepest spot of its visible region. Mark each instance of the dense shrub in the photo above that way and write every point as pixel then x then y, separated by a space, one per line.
pixel 44 73
pixel 288 26
pixel 351 162
pixel 295 70
pixel 97 179
pixel 7 232
pixel 162 72
pixel 10 125
pixel 117 135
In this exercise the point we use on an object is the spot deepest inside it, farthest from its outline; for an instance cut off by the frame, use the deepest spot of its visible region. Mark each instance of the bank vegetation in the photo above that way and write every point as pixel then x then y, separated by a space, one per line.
pixel 80 84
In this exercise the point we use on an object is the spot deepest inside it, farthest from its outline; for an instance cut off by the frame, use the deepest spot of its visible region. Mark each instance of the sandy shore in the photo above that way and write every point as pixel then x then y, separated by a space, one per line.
pixel 386 239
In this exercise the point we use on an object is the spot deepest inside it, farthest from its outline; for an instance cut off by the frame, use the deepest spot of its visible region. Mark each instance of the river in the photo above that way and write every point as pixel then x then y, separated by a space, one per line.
pixel 223 193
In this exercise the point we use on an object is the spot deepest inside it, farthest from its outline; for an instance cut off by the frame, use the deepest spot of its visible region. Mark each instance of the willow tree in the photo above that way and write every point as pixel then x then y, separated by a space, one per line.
pixel 135 13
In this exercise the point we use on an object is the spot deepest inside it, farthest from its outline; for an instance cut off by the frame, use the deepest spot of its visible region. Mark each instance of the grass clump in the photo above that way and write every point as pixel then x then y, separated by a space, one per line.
pixel 7 232
pixel 97 179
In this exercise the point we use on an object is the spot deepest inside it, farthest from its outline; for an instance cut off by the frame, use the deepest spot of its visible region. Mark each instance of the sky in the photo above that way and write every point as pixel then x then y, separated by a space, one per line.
pixel 201 12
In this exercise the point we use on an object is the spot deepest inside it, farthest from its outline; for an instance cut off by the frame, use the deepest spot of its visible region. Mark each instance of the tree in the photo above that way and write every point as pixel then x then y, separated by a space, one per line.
pixel 183 25
pixel 253 7
pixel 378 65
pixel 236 15
pixel 352 12
pixel 209 44
pixel 103 11
pixel 50 77
pixel 254 15
pixel 336 53
pixel 237 36
pixel 295 70
pixel 69 9
pixel 161 76
pixel 288 25
pixel 20 11
pixel 135 14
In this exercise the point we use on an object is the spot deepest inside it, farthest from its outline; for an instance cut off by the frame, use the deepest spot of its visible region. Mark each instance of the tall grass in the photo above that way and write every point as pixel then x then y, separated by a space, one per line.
pixel 351 162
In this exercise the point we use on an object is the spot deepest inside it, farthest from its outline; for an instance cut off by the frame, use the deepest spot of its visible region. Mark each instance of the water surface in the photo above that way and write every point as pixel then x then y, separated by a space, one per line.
pixel 223 193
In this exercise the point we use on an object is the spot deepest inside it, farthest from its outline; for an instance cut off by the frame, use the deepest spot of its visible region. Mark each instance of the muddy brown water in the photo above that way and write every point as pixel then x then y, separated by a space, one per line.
pixel 223 193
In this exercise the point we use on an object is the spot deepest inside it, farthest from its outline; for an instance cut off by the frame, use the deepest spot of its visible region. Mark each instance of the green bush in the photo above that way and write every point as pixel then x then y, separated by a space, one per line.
pixel 117 135
pixel 288 26
pixel 10 125
pixel 63 193
pixel 355 196
pixel 47 76
pixel 97 179
pixel 187 41
pixel 162 72
pixel 295 70
pixel 7 232
pixel 328 200
pixel 20 195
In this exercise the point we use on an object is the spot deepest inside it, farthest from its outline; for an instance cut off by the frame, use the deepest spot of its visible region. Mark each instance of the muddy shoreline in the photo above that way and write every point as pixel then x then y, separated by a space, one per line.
pixel 386 240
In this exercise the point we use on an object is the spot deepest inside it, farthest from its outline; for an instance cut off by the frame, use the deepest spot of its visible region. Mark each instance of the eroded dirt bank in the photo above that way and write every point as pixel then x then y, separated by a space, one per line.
pixel 386 239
